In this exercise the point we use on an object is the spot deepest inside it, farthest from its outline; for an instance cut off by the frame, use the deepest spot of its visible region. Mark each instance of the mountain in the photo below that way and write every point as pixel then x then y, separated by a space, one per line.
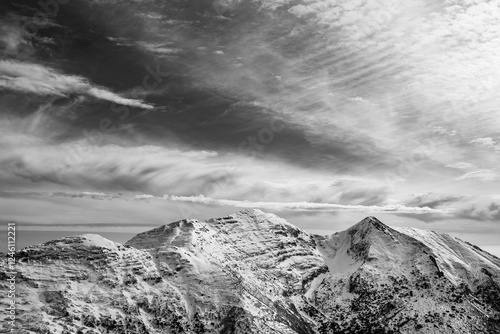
pixel 253 272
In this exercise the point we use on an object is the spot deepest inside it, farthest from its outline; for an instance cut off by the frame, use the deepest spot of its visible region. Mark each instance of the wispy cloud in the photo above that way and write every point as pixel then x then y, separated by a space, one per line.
pixel 303 206
pixel 481 211
pixel 156 169
pixel 433 200
pixel 460 165
pixel 41 80
pixel 87 194
pixel 484 175
pixel 35 159
pixel 478 208
pixel 486 142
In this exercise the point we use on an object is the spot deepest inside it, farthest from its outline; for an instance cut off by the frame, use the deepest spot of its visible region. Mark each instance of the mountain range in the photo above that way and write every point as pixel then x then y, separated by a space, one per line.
pixel 253 272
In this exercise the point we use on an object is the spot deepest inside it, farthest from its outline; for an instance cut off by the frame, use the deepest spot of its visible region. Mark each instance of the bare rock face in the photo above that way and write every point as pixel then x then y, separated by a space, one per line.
pixel 253 272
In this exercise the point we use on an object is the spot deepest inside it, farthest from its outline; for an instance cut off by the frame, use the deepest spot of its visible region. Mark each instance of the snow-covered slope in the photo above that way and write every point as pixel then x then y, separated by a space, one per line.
pixel 454 257
pixel 406 281
pixel 252 272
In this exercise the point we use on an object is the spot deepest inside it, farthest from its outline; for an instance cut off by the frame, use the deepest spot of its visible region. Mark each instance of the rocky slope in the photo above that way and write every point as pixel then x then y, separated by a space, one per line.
pixel 252 272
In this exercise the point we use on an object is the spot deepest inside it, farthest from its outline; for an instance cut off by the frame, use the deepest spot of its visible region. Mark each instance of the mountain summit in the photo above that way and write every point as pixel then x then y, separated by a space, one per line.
pixel 253 272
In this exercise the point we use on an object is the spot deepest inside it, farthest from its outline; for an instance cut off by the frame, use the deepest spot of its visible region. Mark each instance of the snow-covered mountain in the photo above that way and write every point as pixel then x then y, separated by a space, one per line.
pixel 253 272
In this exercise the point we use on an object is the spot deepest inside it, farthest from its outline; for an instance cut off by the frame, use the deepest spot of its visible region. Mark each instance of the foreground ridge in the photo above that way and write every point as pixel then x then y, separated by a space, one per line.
pixel 254 272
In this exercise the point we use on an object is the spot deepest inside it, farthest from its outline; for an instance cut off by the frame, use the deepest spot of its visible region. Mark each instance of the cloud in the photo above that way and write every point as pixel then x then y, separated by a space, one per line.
pixel 460 209
pixel 443 131
pixel 301 10
pixel 11 38
pixel 432 200
pixel 481 212
pixel 302 206
pixel 143 197
pixel 104 94
pixel 83 194
pixel 160 48
pixel 364 197
pixel 31 155
pixel 487 141
pixel 460 165
pixel 485 175
pixel 155 170
pixel 87 194
pixel 41 80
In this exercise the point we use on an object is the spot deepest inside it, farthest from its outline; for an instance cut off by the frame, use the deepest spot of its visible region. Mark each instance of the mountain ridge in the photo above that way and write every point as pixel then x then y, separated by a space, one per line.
pixel 254 272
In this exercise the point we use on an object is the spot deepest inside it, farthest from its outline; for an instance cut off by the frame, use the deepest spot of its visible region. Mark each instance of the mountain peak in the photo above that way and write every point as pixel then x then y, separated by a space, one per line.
pixel 250 212
pixel 369 222
pixel 84 240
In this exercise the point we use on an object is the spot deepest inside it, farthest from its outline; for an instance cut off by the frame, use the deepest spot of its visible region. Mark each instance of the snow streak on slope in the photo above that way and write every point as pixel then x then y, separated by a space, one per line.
pixel 336 252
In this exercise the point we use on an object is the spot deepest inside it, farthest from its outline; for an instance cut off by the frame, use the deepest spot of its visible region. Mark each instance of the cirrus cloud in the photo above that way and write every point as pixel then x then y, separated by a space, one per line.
pixel 484 175
pixel 304 206
pixel 37 79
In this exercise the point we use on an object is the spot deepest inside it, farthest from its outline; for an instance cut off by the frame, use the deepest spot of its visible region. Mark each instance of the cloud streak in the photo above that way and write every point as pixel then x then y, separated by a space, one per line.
pixel 460 165
pixel 432 200
pixel 304 206
pixel 484 175
pixel 37 79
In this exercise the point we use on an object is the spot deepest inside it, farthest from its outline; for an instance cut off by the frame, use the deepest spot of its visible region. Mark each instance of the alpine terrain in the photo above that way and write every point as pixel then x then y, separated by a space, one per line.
pixel 253 272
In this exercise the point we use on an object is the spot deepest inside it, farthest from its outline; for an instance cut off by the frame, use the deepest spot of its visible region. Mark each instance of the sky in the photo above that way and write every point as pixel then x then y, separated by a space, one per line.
pixel 116 117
